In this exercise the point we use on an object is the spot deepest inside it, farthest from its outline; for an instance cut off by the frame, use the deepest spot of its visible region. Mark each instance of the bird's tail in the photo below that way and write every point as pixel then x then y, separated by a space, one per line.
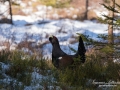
pixel 81 50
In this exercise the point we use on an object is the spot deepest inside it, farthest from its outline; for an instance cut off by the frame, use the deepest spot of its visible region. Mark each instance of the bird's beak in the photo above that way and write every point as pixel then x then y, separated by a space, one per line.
pixel 51 36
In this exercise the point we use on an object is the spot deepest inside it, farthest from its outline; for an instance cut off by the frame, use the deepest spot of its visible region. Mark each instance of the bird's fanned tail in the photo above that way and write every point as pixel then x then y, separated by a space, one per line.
pixel 81 50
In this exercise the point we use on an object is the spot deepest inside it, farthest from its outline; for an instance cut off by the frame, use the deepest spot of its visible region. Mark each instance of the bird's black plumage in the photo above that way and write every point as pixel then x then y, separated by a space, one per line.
pixel 60 59
pixel 81 50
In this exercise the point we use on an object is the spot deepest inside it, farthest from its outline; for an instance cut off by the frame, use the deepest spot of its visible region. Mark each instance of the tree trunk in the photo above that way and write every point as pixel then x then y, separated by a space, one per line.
pixel 86 9
pixel 110 30
pixel 110 27
pixel 10 11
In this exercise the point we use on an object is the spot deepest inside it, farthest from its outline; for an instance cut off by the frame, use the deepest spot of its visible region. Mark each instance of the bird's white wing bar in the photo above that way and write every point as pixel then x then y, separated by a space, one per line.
pixel 60 58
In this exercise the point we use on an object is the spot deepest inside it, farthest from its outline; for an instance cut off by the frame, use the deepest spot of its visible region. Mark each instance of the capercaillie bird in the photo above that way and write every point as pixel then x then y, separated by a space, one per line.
pixel 60 59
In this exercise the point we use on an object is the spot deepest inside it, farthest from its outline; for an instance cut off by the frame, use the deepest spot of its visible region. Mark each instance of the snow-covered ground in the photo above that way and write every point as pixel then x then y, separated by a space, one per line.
pixel 36 83
pixel 65 30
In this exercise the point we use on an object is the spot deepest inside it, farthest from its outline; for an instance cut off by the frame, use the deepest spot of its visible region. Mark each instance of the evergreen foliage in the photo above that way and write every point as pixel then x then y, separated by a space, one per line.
pixel 116 19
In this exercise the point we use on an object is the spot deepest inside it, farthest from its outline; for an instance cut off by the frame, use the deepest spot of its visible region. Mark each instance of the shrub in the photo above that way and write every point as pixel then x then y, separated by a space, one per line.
pixel 99 67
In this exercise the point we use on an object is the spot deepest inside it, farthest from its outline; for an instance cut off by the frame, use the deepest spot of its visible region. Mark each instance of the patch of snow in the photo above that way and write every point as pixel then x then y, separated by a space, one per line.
pixel 27 10
pixel 101 13
pixel 4 67
pixel 74 16
pixel 49 8
pixel 23 5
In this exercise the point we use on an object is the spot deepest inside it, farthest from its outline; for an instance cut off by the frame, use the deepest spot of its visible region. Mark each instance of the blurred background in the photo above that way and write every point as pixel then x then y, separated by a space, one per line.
pixel 53 9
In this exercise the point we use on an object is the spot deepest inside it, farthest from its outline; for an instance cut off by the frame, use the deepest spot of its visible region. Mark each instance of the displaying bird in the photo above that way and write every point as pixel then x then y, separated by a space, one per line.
pixel 60 59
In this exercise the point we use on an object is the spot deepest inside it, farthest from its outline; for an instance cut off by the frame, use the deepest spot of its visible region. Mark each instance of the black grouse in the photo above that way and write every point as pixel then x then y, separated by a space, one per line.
pixel 60 59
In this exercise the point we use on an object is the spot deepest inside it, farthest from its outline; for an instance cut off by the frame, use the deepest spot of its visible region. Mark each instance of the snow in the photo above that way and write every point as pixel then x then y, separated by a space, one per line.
pixel 101 13
pixel 4 66
pixel 64 30
pixel 37 79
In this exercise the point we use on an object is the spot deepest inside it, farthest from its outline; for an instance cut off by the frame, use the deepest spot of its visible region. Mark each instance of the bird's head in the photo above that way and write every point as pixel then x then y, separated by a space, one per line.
pixel 53 40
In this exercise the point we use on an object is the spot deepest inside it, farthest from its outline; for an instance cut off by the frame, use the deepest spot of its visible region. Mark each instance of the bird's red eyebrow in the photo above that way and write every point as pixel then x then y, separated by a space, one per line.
pixel 54 37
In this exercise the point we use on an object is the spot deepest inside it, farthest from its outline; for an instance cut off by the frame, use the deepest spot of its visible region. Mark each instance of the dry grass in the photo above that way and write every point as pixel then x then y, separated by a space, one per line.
pixel 74 11
pixel 17 10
